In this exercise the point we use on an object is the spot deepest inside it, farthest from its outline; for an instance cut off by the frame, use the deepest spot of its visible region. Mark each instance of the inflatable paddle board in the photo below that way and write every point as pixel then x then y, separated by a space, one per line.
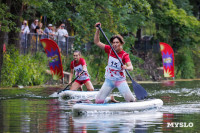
pixel 69 94
pixel 123 106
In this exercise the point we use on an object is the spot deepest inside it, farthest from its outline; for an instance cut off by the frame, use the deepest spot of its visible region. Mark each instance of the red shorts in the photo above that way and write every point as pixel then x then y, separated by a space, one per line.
pixel 82 81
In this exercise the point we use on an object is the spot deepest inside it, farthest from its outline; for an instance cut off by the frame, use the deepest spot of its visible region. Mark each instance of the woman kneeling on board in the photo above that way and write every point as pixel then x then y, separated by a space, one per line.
pixel 78 65
pixel 115 73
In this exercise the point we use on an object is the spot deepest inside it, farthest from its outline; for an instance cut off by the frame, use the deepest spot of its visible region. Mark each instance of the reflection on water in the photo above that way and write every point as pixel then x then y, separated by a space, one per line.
pixel 32 110
pixel 119 122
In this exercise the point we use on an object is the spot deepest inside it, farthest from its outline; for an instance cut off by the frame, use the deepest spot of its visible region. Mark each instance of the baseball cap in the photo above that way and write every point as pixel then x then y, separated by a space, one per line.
pixel 50 25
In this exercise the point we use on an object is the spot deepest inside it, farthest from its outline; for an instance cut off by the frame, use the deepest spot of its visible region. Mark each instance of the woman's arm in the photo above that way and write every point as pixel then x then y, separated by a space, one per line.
pixel 96 37
pixel 84 68
pixel 128 66
pixel 71 75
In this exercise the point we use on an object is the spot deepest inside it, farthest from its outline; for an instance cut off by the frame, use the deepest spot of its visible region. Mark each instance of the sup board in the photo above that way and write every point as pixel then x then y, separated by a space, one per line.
pixel 69 94
pixel 123 106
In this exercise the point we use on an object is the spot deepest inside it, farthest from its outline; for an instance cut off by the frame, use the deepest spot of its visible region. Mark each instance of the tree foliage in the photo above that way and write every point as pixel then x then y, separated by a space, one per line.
pixel 6 24
pixel 172 21
pixel 180 29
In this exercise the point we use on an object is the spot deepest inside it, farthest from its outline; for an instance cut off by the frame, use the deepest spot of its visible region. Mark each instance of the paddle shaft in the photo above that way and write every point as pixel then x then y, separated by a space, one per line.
pixel 114 51
pixel 71 82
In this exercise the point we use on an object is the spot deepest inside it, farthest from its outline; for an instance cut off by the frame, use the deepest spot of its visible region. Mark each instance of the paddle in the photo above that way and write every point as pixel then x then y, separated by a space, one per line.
pixel 66 88
pixel 140 92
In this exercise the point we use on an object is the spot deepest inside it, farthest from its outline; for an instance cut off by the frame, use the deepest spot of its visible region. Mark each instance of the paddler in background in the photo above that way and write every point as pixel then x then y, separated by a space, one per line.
pixel 78 65
pixel 115 73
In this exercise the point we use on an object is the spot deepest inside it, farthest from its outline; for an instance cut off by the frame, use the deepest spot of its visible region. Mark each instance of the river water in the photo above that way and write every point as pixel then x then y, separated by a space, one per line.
pixel 31 110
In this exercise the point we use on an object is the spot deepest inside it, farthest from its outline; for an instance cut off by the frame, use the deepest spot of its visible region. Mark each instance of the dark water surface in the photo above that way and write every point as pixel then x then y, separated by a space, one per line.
pixel 33 111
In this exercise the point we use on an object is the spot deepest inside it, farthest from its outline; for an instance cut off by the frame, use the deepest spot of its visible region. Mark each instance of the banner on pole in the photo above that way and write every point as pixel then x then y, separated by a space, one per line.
pixel 167 59
pixel 53 53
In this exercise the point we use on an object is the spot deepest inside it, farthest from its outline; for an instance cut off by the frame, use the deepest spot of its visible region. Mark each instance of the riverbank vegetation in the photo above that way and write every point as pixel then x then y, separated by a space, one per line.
pixel 170 21
pixel 26 70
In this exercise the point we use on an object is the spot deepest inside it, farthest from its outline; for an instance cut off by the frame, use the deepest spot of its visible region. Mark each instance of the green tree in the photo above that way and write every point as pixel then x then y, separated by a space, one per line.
pixel 117 17
pixel 185 5
pixel 6 26
pixel 195 10
pixel 177 28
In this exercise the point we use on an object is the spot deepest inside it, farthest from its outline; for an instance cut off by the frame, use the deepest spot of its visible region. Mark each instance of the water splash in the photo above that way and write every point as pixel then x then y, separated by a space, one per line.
pixel 179 92
pixel 55 94
pixel 182 108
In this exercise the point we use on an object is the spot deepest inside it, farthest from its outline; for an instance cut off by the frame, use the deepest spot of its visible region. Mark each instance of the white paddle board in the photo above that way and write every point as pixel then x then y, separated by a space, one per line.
pixel 123 106
pixel 69 94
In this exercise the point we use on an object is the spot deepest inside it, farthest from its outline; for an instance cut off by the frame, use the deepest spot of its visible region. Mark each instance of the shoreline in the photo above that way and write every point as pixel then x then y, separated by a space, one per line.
pixel 161 81
pixel 64 85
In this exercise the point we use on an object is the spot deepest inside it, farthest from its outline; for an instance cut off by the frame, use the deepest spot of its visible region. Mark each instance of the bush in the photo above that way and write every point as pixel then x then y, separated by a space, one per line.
pixel 23 69
pixel 185 64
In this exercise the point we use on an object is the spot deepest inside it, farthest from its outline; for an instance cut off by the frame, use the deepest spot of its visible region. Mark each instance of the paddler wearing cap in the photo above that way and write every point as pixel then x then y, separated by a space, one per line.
pixel 115 73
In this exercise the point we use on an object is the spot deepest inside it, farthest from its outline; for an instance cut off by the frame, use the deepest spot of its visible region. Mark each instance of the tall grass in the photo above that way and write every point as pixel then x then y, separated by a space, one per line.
pixel 26 70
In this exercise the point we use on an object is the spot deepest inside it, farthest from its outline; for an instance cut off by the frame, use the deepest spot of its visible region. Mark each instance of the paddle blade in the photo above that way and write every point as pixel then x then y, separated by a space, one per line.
pixel 140 92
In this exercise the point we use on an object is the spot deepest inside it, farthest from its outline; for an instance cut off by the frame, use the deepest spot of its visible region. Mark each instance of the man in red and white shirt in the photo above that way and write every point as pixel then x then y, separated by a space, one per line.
pixel 115 73
pixel 78 65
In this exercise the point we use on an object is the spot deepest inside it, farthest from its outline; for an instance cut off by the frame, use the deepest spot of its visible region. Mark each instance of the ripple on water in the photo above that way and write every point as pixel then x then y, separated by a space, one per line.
pixel 180 92
pixel 182 108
